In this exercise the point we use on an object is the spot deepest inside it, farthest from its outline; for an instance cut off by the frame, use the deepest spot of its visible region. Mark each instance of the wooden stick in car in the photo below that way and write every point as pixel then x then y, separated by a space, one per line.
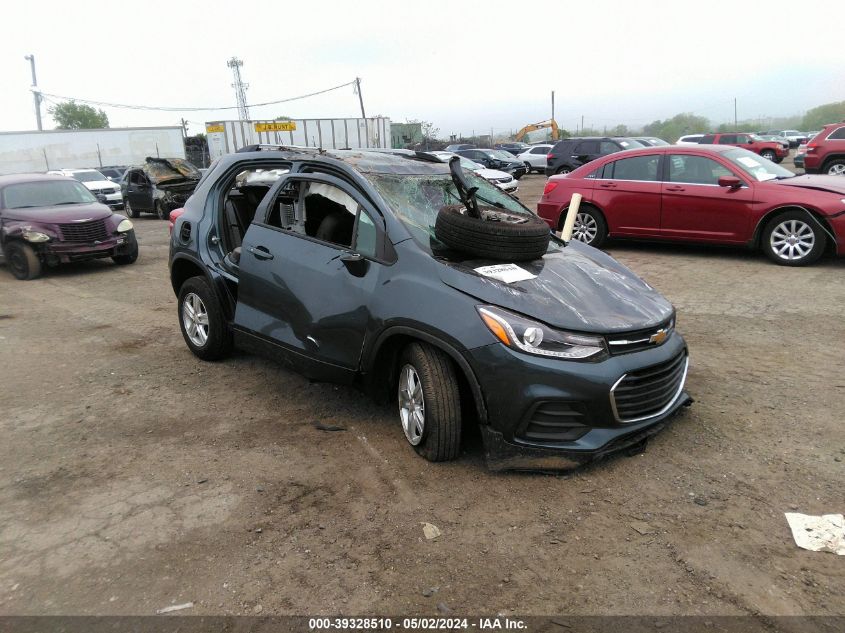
pixel 569 224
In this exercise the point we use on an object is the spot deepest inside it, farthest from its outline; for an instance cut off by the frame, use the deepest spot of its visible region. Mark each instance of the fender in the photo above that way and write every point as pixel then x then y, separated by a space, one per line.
pixel 437 340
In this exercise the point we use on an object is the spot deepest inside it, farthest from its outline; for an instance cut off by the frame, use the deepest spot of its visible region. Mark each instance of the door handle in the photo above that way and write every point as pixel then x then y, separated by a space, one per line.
pixel 675 189
pixel 608 185
pixel 260 252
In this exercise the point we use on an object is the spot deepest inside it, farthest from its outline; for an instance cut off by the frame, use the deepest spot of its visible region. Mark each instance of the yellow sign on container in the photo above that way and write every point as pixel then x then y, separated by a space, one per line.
pixel 211 129
pixel 276 126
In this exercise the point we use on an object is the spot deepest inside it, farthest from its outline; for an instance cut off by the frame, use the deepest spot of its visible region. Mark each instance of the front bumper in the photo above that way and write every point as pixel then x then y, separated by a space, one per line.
pixel 516 386
pixel 64 252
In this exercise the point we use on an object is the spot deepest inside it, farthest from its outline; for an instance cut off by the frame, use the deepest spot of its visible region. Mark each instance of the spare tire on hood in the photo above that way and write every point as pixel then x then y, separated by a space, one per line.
pixel 497 234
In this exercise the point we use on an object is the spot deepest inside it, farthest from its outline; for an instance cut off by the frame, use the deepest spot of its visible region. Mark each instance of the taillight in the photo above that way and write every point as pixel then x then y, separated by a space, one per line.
pixel 550 186
pixel 550 157
pixel 174 215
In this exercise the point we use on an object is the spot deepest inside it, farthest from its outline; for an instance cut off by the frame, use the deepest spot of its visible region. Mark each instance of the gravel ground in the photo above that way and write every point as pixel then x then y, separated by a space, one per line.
pixel 134 476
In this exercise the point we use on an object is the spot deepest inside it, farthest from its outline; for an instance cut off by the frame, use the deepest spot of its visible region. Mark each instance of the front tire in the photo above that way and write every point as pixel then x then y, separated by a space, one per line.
pixel 201 320
pixel 23 261
pixel 768 155
pixel 590 226
pixel 793 238
pixel 429 402
pixel 835 168
pixel 161 214
pixel 130 212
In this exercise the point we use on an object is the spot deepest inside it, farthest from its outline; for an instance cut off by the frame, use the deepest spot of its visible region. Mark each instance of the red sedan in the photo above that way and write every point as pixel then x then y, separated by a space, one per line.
pixel 708 194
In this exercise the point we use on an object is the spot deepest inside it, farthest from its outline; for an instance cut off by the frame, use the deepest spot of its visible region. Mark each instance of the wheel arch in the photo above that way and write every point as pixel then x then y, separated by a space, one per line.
pixel 830 158
pixel 757 238
pixel 381 364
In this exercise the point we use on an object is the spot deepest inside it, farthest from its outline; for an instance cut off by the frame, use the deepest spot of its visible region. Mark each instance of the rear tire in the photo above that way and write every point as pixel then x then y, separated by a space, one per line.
pixel 563 170
pixel 429 403
pixel 201 320
pixel 792 238
pixel 161 214
pixel 590 226
pixel 22 260
pixel 493 236
pixel 835 167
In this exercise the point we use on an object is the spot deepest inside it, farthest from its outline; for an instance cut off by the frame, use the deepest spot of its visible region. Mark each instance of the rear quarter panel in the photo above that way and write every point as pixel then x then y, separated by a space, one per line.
pixel 552 205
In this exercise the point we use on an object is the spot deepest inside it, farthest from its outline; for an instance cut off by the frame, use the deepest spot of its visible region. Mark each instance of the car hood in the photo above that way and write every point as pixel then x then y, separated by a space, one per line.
pixel 58 215
pixel 487 174
pixel 833 184
pixel 580 288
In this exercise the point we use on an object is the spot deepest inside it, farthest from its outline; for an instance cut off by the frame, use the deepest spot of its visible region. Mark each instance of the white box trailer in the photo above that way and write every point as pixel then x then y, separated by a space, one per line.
pixel 227 137
pixel 22 152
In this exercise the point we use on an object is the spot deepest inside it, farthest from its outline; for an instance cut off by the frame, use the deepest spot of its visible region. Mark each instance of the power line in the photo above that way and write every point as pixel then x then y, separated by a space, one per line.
pixel 109 104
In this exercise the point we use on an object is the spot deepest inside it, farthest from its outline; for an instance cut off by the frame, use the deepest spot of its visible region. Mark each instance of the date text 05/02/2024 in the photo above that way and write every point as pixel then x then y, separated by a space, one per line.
pixel 416 624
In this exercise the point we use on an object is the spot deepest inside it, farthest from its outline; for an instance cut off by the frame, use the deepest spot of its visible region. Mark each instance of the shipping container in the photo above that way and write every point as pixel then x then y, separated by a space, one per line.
pixel 227 137
pixel 22 152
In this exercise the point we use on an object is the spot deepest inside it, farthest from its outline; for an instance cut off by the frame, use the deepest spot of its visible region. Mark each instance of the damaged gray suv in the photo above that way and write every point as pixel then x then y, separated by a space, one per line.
pixel 431 288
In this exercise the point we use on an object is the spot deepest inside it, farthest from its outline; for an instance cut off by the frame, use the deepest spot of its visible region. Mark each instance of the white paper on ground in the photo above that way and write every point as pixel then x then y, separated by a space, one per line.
pixel 825 533
pixel 508 273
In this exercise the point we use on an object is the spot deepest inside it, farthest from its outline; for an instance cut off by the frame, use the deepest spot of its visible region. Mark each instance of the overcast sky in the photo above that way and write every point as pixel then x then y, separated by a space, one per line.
pixel 462 65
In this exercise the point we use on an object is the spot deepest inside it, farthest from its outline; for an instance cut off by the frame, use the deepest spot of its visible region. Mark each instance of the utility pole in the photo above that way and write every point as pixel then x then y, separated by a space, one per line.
pixel 36 95
pixel 553 105
pixel 184 129
pixel 360 96
pixel 736 125
pixel 240 87
pixel 582 124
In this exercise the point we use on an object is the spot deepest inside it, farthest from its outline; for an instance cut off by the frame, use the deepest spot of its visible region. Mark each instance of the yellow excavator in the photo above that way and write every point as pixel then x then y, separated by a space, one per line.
pixel 539 126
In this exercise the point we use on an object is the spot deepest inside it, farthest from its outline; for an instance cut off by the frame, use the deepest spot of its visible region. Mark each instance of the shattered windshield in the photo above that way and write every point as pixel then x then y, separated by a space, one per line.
pixel 417 199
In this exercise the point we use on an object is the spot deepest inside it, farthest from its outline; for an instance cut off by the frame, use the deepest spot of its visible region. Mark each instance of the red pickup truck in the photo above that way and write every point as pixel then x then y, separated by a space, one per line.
pixel 771 150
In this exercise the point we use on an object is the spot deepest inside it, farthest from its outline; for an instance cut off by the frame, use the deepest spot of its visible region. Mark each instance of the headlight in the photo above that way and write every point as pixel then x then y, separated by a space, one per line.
pixel 125 225
pixel 532 337
pixel 35 236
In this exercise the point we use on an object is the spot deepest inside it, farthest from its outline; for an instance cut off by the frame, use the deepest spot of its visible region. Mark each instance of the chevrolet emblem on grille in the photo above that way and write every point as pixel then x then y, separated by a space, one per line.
pixel 658 337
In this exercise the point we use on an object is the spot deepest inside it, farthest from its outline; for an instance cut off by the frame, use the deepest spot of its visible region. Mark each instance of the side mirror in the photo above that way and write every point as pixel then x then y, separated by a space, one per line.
pixel 101 198
pixel 732 182
pixel 355 263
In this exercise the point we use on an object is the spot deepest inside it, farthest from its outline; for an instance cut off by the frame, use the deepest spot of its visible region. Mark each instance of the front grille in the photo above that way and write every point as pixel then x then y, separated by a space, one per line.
pixel 504 180
pixel 90 231
pixel 638 340
pixel 649 392
pixel 555 422
pixel 104 190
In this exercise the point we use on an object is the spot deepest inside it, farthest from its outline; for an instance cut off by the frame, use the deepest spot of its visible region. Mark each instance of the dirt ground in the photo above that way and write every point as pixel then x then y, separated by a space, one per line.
pixel 134 476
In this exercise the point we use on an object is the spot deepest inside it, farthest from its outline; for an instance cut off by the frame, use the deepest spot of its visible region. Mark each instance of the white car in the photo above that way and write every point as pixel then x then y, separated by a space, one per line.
pixel 501 179
pixel 536 157
pixel 96 183
pixel 689 139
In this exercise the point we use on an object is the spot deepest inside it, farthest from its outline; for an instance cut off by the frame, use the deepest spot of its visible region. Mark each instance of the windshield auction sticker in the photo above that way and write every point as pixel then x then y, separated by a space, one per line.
pixel 509 273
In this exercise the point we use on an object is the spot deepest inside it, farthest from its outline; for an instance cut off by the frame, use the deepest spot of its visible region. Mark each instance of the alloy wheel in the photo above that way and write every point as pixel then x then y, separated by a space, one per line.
pixel 411 405
pixel 585 229
pixel 792 240
pixel 195 319
pixel 837 170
